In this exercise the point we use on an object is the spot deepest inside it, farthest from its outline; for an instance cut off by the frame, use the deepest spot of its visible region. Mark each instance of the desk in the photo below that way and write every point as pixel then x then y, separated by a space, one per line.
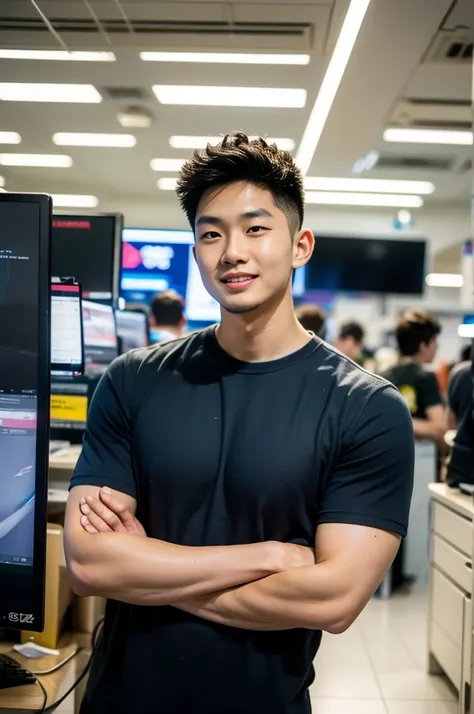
pixel 451 584
pixel 29 698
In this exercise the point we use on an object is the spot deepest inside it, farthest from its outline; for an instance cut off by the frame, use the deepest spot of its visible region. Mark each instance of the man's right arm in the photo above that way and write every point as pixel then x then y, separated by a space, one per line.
pixel 146 571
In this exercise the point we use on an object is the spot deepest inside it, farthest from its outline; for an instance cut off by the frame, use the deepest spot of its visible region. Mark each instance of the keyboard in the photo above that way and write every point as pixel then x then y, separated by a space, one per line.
pixel 12 674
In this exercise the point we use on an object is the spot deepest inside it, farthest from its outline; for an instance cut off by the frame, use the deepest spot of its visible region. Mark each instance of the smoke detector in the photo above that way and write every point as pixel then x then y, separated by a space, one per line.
pixel 136 117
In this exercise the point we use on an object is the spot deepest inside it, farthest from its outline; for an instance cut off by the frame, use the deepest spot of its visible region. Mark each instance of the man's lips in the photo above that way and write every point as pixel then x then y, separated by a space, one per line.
pixel 238 281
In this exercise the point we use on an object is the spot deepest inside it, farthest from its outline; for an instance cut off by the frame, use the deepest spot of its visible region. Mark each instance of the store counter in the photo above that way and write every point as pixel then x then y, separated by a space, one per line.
pixel 450 626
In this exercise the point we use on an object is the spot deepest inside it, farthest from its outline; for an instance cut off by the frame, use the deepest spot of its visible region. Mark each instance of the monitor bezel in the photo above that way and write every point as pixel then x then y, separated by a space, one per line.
pixel 22 601
pixel 79 367
pixel 134 312
pixel 117 243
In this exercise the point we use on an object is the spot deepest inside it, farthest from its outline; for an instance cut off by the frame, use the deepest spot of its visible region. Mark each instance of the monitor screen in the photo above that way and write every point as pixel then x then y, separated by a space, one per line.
pixel 67 348
pixel 69 404
pixel 100 336
pixel 367 265
pixel 132 329
pixel 25 222
pixel 154 260
pixel 87 248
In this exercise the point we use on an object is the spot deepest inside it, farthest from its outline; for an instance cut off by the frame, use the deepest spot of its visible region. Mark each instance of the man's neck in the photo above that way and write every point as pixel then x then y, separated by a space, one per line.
pixel 412 359
pixel 175 331
pixel 255 336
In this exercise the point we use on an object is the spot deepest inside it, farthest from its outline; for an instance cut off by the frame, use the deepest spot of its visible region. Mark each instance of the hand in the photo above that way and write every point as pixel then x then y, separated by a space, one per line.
pixel 292 555
pixel 108 514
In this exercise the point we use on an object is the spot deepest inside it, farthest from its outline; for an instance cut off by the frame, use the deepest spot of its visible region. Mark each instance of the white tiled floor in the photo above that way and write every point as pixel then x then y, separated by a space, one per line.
pixel 378 666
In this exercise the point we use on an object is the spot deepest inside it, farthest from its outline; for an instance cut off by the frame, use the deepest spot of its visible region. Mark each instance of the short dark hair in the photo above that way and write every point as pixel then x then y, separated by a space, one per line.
pixel 237 158
pixel 167 308
pixel 415 327
pixel 312 318
pixel 466 353
pixel 352 329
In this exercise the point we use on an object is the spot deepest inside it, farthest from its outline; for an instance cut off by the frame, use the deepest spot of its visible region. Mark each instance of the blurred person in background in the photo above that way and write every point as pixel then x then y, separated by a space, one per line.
pixel 461 420
pixel 166 319
pixel 350 340
pixel 417 339
pixel 312 318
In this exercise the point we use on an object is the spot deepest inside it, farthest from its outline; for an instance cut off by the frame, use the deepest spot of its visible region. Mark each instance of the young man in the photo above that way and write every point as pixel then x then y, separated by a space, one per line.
pixel 350 339
pixel 227 456
pixel 416 335
pixel 166 319
pixel 461 418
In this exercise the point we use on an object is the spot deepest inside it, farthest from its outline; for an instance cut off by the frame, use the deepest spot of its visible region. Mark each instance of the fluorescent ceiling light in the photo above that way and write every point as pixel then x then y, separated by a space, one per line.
pixel 444 280
pixel 167 184
pixel 60 55
pixel 58 161
pixel 166 164
pixel 428 136
pixel 466 331
pixel 330 84
pixel 108 140
pixel 9 137
pixel 2 181
pixel 230 96
pixel 66 93
pixel 61 200
pixel 317 183
pixel 200 142
pixel 224 58
pixel 364 199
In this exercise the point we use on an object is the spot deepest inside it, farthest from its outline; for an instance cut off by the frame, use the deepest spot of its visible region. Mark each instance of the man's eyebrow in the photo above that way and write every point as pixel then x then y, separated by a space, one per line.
pixel 216 221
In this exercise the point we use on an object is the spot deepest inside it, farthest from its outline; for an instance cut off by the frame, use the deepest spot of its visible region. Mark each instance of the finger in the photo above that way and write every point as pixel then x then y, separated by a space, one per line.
pixel 85 523
pixel 119 508
pixel 104 514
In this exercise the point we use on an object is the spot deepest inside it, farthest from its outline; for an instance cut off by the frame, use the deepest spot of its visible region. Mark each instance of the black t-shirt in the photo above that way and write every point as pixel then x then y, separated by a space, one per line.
pixel 461 402
pixel 221 452
pixel 418 387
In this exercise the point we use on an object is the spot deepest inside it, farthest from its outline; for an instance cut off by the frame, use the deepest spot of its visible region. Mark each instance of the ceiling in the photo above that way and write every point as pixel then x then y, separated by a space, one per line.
pixel 398 73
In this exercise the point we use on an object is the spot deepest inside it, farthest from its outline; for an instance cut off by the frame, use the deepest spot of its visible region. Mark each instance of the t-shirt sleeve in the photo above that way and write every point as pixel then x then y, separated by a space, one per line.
pixel 106 458
pixel 430 390
pixel 372 480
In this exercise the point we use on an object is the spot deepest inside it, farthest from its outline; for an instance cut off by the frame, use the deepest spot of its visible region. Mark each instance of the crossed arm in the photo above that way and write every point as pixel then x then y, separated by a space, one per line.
pixel 255 587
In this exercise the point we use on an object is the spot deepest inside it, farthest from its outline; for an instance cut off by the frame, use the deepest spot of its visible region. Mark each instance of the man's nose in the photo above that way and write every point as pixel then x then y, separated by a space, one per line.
pixel 235 249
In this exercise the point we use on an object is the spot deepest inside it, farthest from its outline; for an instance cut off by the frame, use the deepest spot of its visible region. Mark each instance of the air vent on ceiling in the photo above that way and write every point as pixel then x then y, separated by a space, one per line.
pixel 433 113
pixel 451 47
pixel 418 163
pixel 159 27
pixel 125 93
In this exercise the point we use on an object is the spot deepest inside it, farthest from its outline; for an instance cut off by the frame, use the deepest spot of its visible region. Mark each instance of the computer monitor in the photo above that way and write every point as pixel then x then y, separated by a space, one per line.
pixel 67 343
pixel 100 336
pixel 25 233
pixel 87 248
pixel 132 329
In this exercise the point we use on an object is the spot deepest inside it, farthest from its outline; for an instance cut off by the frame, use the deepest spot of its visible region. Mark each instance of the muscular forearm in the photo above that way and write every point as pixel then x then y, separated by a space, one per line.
pixel 425 429
pixel 145 571
pixel 308 597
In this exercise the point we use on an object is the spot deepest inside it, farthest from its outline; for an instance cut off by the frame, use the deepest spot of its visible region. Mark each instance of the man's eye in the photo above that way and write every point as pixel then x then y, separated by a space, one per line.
pixel 256 229
pixel 209 235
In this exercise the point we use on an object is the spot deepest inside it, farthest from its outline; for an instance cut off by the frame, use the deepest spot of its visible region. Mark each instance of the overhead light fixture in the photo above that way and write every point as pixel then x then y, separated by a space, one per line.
pixel 225 58
pixel 2 181
pixel 466 331
pixel 80 201
pixel 193 95
pixel 57 55
pixel 99 140
pixel 316 183
pixel 61 93
pixel 428 136
pixel 58 161
pixel 167 184
pixel 363 199
pixel 166 164
pixel 330 84
pixel 200 142
pixel 366 163
pixel 9 137
pixel 444 280
pixel 135 117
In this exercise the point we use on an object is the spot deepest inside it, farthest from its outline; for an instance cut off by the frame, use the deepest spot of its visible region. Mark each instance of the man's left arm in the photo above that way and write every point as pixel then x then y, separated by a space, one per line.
pixel 362 515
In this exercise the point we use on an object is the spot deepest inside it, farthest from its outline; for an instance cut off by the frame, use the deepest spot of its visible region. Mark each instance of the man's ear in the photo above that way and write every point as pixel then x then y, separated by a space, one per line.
pixel 303 246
